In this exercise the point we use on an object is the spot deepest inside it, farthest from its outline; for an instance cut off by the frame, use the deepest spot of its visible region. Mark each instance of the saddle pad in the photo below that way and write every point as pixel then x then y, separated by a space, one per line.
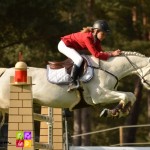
pixel 60 76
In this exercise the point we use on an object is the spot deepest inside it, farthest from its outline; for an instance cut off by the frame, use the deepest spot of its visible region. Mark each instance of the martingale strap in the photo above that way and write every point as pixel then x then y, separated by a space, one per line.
pixel 99 67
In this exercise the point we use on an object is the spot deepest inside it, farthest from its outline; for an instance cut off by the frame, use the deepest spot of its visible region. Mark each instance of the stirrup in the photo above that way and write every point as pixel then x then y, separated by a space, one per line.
pixel 73 86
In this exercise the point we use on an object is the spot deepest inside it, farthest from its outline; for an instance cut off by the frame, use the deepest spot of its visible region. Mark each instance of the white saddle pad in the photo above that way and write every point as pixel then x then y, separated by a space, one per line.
pixel 60 76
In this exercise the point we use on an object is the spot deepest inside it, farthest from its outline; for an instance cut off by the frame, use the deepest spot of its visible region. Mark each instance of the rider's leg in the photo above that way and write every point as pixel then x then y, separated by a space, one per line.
pixel 74 76
pixel 76 58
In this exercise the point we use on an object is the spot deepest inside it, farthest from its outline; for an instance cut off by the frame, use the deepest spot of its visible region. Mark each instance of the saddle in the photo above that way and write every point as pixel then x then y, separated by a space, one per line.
pixel 85 74
pixel 68 64
pixel 59 72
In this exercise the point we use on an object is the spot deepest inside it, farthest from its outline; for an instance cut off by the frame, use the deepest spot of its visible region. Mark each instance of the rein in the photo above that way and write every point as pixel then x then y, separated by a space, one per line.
pixel 136 68
pixel 132 64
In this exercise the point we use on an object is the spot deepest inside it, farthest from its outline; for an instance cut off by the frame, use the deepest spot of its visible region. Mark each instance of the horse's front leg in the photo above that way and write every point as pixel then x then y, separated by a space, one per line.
pixel 119 111
pixel 125 99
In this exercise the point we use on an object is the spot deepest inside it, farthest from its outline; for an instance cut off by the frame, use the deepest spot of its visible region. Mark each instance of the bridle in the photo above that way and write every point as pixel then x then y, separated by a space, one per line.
pixel 136 69
pixel 132 64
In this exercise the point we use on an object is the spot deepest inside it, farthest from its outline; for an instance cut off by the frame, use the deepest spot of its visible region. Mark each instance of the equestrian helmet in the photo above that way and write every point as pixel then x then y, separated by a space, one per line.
pixel 102 25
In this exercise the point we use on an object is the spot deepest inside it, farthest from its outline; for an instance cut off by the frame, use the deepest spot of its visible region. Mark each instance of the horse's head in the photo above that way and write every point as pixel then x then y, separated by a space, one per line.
pixel 146 76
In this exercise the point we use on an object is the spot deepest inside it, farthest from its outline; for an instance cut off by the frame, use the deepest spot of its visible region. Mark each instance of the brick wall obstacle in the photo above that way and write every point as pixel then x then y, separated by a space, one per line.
pixel 53 131
pixel 21 131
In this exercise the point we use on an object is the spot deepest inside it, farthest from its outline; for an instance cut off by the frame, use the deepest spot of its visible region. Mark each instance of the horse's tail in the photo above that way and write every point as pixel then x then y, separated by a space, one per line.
pixel 2 70
pixel 3 119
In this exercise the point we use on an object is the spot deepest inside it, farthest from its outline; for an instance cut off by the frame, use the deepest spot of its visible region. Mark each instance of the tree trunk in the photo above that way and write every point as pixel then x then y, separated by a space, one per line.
pixel 82 125
pixel 134 15
pixel 130 133
pixel 90 6
pixel 77 127
pixel 85 126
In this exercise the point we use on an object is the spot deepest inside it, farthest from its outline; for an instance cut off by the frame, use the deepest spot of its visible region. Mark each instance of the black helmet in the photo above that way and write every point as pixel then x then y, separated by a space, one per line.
pixel 101 25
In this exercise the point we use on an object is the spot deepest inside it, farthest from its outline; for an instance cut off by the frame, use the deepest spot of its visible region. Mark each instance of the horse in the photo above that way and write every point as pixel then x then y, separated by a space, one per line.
pixel 101 89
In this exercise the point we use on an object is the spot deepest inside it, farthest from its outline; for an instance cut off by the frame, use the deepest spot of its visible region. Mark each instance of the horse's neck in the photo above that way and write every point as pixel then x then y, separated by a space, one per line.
pixel 120 66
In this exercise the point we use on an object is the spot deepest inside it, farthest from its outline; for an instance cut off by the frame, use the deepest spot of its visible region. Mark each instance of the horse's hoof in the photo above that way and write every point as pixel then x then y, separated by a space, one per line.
pixel 104 113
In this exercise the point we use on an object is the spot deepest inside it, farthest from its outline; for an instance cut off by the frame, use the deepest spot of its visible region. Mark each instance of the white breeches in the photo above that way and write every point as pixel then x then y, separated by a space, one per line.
pixel 70 53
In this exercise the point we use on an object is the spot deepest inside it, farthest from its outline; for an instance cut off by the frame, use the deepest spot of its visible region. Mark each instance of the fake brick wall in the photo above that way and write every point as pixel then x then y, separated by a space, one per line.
pixel 57 128
pixel 20 114
pixel 21 118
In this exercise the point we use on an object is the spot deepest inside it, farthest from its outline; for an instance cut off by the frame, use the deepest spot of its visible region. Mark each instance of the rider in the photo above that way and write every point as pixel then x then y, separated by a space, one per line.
pixel 89 38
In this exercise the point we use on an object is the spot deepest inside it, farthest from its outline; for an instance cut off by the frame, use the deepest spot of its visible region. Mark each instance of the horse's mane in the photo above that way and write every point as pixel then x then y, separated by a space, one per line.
pixel 130 53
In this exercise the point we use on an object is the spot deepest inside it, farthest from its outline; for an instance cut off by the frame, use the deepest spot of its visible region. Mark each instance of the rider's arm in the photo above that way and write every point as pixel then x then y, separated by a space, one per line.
pixel 96 51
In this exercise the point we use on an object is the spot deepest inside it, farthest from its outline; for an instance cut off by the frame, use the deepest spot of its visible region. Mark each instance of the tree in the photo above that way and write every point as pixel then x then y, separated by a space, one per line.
pixel 33 27
pixel 130 134
pixel 82 124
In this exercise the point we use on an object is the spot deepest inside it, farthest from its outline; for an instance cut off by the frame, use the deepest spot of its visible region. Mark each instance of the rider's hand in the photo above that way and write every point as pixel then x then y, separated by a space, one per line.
pixel 116 52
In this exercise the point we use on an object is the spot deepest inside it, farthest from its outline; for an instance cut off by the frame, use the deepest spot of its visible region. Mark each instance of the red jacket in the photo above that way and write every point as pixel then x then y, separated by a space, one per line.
pixel 82 41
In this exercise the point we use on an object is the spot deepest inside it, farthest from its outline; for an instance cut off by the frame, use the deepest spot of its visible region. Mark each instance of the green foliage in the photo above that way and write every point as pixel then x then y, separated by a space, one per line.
pixel 29 24
pixel 34 27
pixel 38 25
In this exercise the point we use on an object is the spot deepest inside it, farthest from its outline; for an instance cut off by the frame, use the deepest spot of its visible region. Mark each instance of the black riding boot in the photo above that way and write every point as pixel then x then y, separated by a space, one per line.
pixel 74 75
